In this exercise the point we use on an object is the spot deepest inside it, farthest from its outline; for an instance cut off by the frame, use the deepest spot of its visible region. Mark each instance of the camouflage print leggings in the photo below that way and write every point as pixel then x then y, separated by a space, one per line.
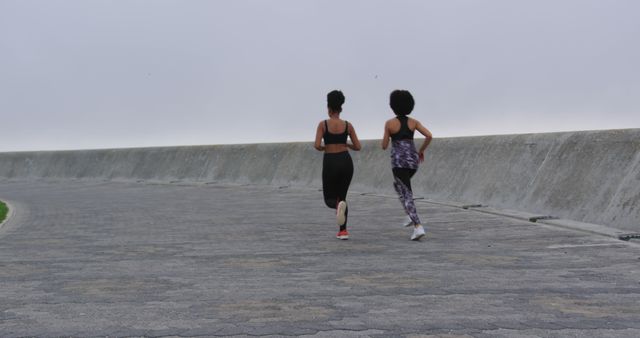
pixel 402 185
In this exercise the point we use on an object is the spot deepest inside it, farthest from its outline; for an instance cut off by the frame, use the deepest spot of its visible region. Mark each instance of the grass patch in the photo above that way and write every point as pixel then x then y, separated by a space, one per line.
pixel 4 210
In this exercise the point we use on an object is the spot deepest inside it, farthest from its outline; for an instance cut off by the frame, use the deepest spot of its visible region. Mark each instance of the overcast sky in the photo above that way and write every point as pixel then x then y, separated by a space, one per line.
pixel 105 74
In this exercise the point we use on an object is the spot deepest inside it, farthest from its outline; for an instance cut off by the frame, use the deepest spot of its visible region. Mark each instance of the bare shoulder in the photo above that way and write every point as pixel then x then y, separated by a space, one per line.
pixel 414 122
pixel 351 127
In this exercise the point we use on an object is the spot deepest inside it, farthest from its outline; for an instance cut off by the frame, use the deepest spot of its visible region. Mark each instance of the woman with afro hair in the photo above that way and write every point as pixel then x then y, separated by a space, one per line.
pixel 404 156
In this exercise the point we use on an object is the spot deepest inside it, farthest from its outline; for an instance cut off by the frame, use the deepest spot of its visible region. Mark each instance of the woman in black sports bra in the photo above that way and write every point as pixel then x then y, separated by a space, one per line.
pixel 337 166
pixel 404 156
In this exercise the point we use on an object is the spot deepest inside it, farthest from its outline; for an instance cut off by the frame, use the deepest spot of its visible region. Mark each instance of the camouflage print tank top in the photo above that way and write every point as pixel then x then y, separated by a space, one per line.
pixel 403 150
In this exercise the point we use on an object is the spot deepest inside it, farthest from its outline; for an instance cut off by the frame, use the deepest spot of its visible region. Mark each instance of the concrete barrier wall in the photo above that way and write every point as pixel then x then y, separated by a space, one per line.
pixel 591 176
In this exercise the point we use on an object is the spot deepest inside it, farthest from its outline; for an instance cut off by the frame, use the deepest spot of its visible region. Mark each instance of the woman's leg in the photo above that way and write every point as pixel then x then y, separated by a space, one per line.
pixel 402 185
pixel 343 182
pixel 333 182
pixel 329 191
pixel 329 176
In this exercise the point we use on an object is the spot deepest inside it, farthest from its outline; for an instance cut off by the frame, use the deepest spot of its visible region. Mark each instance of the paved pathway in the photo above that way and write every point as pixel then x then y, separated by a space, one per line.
pixel 133 259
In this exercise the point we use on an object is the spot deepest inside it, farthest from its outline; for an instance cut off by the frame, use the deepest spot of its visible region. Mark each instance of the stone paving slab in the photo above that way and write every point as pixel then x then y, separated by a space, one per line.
pixel 98 259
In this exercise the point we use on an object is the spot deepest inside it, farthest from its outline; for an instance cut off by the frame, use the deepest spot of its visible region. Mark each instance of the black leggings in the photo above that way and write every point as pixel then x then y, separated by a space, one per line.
pixel 402 184
pixel 337 171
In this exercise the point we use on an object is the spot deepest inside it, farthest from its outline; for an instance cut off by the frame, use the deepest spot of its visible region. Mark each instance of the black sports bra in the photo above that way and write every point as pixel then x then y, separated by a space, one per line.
pixel 404 133
pixel 330 138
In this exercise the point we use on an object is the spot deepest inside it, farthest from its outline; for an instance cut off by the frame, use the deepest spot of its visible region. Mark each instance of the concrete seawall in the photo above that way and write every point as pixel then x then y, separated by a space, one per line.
pixel 591 176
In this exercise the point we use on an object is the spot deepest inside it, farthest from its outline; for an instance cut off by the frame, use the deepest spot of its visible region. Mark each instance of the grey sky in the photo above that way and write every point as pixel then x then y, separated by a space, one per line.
pixel 101 74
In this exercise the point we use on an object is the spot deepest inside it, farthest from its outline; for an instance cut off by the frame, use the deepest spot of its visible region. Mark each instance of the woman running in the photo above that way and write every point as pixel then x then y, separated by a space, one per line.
pixel 337 167
pixel 404 156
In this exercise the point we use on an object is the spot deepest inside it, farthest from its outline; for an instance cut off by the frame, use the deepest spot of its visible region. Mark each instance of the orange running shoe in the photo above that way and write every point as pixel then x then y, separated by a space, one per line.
pixel 343 234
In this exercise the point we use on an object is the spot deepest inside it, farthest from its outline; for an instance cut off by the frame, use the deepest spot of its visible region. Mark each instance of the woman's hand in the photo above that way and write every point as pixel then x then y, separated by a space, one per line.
pixel 421 156
pixel 427 139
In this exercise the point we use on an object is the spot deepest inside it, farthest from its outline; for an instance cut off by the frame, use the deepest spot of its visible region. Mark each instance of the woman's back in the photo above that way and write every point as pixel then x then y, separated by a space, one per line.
pixel 335 125
pixel 335 132
pixel 395 124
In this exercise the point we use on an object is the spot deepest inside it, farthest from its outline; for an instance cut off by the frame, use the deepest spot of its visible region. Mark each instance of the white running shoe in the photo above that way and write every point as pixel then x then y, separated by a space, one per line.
pixel 340 217
pixel 418 233
pixel 407 222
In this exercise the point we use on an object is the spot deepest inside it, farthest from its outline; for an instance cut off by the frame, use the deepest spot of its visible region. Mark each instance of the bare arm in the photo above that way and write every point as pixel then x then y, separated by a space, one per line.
pixel 385 138
pixel 355 143
pixel 318 144
pixel 427 139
